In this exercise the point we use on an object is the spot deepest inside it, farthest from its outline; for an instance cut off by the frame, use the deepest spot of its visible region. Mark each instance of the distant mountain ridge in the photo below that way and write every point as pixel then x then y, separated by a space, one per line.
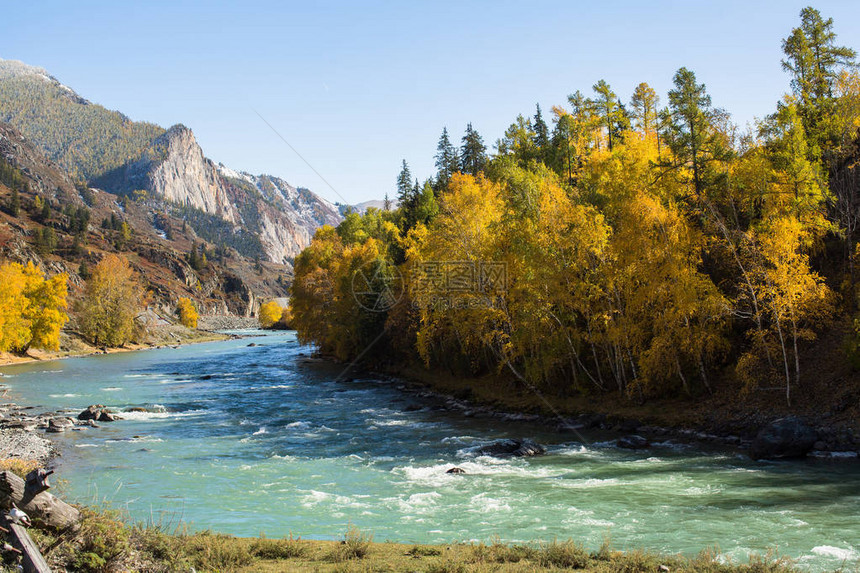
pixel 261 216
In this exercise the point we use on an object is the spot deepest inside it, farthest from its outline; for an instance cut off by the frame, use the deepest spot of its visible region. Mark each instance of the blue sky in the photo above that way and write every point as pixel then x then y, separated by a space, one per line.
pixel 356 87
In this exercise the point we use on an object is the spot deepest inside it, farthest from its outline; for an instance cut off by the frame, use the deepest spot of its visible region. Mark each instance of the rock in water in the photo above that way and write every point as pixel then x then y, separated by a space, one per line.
pixel 633 442
pixel 58 425
pixel 511 448
pixel 106 416
pixel 456 471
pixel 91 413
pixel 788 437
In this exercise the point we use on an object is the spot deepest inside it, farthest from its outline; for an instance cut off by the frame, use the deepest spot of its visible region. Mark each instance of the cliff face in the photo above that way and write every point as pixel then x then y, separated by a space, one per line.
pixel 174 169
pixel 183 175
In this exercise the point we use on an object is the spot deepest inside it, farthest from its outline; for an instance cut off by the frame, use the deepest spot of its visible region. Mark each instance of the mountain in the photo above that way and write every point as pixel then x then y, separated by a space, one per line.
pixel 361 208
pixel 84 223
pixel 259 216
pixel 84 138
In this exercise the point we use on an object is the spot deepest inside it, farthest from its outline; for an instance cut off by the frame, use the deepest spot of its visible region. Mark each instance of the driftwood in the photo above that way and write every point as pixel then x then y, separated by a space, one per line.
pixel 31 498
pixel 31 558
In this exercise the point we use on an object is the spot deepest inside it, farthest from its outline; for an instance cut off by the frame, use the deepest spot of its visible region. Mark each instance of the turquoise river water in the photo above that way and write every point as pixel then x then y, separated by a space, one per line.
pixel 257 439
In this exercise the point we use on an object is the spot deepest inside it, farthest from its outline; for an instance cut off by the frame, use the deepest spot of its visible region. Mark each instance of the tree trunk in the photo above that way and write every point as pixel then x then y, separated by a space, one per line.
pixel 31 558
pixel 31 498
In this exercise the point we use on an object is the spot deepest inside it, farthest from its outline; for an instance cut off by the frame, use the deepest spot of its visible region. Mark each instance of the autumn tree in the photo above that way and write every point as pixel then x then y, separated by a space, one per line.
pixel 794 301
pixel 112 298
pixel 269 314
pixel 32 308
pixel 187 313
pixel 519 141
pixel 14 327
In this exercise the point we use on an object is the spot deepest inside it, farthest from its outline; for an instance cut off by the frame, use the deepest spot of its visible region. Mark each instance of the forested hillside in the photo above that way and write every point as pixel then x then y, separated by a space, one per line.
pixel 84 138
pixel 640 247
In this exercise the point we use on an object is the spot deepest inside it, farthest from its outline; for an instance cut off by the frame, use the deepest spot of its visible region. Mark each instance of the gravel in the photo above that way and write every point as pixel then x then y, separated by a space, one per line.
pixel 24 444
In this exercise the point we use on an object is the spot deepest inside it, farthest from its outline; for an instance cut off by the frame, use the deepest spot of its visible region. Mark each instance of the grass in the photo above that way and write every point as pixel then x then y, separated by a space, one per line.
pixel 105 543
pixel 19 466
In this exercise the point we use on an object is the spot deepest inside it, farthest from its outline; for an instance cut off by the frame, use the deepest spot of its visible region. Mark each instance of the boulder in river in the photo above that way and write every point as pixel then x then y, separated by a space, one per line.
pixel 633 442
pixel 91 413
pixel 511 448
pixel 60 424
pixel 456 470
pixel 788 437
pixel 105 416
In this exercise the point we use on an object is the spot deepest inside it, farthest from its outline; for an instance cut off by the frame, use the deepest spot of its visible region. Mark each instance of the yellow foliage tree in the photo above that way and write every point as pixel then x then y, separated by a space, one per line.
pixel 270 313
pixel 286 318
pixel 14 327
pixel 111 301
pixel 794 300
pixel 187 313
pixel 31 308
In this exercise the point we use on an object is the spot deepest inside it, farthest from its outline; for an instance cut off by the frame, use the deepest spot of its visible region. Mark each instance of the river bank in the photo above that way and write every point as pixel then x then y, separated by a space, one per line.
pixel 157 335
pixel 711 419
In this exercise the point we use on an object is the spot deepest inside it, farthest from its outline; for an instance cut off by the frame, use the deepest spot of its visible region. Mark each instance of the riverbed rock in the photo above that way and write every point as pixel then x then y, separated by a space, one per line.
pixel 511 448
pixel 788 437
pixel 60 424
pixel 105 416
pixel 456 470
pixel 633 442
pixel 135 409
pixel 91 413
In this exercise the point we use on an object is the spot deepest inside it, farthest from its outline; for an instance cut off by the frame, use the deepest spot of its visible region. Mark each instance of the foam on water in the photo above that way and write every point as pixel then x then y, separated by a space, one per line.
pixel 839 553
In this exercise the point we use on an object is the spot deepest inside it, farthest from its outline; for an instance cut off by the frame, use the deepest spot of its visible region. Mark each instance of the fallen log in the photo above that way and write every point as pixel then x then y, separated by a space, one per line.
pixel 31 498
pixel 31 558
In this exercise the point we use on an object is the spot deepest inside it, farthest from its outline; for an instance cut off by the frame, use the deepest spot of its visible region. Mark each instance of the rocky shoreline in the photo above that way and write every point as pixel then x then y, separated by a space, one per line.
pixel 21 430
pixel 787 437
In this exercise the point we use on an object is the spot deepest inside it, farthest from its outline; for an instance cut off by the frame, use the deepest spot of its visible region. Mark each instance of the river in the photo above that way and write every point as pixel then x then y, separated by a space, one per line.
pixel 249 439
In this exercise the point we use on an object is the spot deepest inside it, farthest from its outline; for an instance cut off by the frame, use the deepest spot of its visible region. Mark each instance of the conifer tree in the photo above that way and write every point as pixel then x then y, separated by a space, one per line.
pixel 447 160
pixel 404 184
pixel 473 152
pixel 691 134
pixel 644 103
pixel 814 60
pixel 541 131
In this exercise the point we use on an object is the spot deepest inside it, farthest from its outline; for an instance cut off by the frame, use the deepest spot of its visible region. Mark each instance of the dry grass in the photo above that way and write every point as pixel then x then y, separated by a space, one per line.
pixel 18 466
pixel 105 544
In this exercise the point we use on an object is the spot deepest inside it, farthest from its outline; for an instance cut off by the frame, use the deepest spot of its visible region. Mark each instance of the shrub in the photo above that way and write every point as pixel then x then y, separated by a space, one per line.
pixel 216 552
pixel 286 548
pixel 423 551
pixel 355 545
pixel 562 554
pixel 102 542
